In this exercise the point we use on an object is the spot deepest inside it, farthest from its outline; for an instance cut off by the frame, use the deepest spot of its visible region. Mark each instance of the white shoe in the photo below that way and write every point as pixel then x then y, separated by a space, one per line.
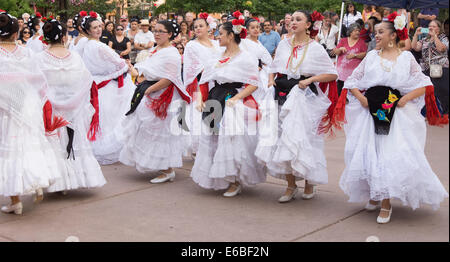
pixel 169 177
pixel 371 207
pixel 384 220
pixel 39 196
pixel 310 196
pixel 16 209
pixel 234 193
pixel 285 199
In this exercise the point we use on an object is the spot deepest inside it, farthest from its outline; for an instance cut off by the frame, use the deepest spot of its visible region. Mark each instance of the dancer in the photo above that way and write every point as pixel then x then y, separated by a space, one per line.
pixel 27 162
pixel 386 133
pixel 70 93
pixel 305 112
pixel 35 43
pixel 153 140
pixel 115 90
pixel 252 45
pixel 225 157
pixel 196 56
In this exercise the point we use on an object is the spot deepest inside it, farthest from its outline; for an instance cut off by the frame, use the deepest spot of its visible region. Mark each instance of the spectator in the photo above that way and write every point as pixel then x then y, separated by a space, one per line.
pixel 368 11
pixel 21 23
pixel 224 19
pixel 143 41
pixel 120 43
pixel 131 34
pixel 184 30
pixel 434 49
pixel 25 35
pixel 427 15
pixel 335 19
pixel 270 39
pixel 71 29
pixel 180 19
pixel 289 33
pixel 371 27
pixel 364 33
pixel 107 34
pixel 328 34
pixel 386 13
pixel 190 20
pixel 351 15
pixel 153 22
pixel 180 48
pixel 26 17
pixel 350 51
pixel 287 22
pixel 124 22
pixel 162 17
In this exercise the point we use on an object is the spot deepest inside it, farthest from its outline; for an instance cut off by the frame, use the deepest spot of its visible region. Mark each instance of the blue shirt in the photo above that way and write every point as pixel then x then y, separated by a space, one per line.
pixel 428 11
pixel 270 41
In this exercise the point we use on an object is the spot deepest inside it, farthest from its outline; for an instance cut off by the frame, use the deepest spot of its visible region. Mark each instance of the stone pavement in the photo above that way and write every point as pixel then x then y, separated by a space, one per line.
pixel 129 208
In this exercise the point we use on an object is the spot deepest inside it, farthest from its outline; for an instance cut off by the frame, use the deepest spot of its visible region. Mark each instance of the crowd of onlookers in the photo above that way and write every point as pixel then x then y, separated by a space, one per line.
pixel 428 39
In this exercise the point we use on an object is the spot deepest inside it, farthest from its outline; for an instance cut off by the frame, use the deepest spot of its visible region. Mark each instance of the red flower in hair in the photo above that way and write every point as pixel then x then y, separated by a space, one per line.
pixel 392 16
pixel 257 19
pixel 203 16
pixel 316 16
pixel 243 33
pixel 238 22
pixel 237 14
pixel 83 13
pixel 402 34
pixel 2 11
pixel 52 17
pixel 93 14
pixel 38 14
pixel 44 19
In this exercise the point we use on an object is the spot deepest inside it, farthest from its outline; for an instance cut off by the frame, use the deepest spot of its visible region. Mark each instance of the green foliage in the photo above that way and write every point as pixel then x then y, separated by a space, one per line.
pixel 16 7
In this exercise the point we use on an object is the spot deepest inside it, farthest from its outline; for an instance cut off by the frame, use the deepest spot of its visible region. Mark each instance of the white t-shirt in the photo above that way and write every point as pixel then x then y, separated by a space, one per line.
pixel 330 39
pixel 144 38
pixel 350 18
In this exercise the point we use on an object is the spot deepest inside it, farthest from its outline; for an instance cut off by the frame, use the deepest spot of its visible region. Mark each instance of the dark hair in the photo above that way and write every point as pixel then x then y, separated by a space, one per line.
pixel 8 26
pixel 375 20
pixel 20 18
pixel 32 23
pixel 446 22
pixel 391 27
pixel 171 27
pixel 134 19
pixel 228 26
pixel 25 28
pixel 360 22
pixel 107 24
pixel 354 9
pixel 54 31
pixel 224 16
pixel 249 21
pixel 86 23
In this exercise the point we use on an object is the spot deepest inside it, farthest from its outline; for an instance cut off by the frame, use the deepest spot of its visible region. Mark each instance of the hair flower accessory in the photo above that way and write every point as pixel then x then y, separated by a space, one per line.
pixel 316 16
pixel 93 14
pixel 203 16
pixel 83 13
pixel 38 15
pixel 238 15
pixel 399 25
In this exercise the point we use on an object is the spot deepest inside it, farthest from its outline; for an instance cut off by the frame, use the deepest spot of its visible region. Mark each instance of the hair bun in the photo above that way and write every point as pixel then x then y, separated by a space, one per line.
pixel 7 25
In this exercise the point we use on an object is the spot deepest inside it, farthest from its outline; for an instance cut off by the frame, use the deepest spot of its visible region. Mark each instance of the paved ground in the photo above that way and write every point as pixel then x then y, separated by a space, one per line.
pixel 129 208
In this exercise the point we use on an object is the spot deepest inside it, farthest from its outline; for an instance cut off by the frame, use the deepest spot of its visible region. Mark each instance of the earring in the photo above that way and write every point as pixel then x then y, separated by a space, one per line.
pixel 391 44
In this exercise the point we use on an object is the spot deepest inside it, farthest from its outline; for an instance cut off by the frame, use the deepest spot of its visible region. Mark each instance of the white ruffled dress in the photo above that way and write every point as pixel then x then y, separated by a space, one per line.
pixel 196 57
pixel 296 147
pixel 27 160
pixel 114 102
pixel 79 46
pixel 389 166
pixel 152 143
pixel 229 156
pixel 69 92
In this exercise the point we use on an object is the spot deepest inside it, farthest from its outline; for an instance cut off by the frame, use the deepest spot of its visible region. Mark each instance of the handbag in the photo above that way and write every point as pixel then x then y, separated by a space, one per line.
pixel 435 69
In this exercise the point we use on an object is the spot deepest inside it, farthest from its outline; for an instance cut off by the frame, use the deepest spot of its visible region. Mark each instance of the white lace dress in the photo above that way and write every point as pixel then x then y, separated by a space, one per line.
pixel 296 147
pixel 153 143
pixel 229 156
pixel 79 46
pixel 69 92
pixel 195 58
pixel 389 166
pixel 35 44
pixel 104 65
pixel 27 159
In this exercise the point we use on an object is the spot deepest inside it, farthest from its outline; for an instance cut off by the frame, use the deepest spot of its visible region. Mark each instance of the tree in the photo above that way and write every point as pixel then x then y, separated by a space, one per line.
pixel 16 7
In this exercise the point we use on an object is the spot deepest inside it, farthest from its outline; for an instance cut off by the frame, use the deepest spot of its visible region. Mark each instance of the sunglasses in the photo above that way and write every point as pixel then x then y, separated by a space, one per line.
pixel 119 29
pixel 27 32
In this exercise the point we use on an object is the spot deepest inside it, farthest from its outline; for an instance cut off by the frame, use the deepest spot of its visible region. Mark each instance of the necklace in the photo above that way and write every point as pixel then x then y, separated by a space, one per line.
pixel 290 66
pixel 386 68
